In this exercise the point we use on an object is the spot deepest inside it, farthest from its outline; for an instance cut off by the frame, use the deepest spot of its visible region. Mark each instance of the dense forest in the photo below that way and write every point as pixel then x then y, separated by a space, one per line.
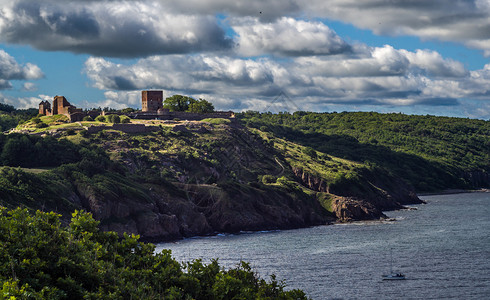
pixel 432 153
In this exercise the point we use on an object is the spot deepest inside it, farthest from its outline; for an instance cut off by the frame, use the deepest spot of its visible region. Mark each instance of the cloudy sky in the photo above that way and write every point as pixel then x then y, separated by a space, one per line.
pixel 410 56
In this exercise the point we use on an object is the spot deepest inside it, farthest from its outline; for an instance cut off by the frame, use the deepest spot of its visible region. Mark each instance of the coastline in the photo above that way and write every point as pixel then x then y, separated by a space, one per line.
pixel 354 222
pixel 453 191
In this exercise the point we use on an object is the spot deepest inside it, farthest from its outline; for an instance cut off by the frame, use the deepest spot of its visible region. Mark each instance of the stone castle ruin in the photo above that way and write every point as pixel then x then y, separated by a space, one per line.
pixel 151 108
pixel 61 106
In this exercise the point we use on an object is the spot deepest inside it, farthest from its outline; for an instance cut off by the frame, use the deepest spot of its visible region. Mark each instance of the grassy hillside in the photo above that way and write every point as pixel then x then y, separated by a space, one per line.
pixel 181 180
pixel 279 171
pixel 432 153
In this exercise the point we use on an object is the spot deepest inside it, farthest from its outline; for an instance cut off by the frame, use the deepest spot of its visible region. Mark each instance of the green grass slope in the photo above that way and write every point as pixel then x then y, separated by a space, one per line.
pixel 279 171
pixel 432 153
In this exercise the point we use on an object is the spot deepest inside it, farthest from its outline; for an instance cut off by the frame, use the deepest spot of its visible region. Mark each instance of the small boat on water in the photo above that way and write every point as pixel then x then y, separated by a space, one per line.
pixel 392 275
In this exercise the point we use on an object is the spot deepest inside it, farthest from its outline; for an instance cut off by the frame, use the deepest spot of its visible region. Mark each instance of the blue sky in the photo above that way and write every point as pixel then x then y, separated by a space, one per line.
pixel 417 57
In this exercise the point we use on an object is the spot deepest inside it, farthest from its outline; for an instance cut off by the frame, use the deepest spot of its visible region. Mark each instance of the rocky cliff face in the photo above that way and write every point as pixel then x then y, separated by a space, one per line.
pixel 205 209
pixel 312 182
pixel 351 209
pixel 233 203
pixel 201 179
pixel 365 198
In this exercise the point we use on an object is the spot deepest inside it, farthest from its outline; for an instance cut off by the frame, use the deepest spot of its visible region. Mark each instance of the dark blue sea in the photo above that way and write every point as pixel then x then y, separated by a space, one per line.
pixel 443 248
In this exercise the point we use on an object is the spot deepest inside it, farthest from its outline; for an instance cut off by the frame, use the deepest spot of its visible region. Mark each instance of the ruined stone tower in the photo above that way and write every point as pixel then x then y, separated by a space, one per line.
pixel 60 105
pixel 151 101
pixel 45 108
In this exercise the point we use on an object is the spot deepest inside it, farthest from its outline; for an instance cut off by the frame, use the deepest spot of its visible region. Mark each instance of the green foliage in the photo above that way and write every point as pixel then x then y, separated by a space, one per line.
pixel 7 121
pixel 178 103
pixel 11 117
pixel 6 107
pixel 125 119
pixel 56 119
pixel 16 184
pixel 100 118
pixel 432 153
pixel 84 133
pixel 112 118
pixel 87 118
pixel 268 179
pixel 41 259
pixel 127 110
pixel 201 106
pixel 290 185
pixel 185 103
pixel 18 150
pixel 310 152
pixel 217 121
pixel 42 125
pixel 70 132
pixel 325 200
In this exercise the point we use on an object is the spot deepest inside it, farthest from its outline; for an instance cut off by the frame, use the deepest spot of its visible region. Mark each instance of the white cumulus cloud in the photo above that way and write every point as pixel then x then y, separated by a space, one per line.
pixel 287 36
pixel 381 76
pixel 10 69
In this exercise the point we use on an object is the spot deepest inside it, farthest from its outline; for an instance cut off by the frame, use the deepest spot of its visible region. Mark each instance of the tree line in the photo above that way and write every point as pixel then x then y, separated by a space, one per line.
pixel 430 152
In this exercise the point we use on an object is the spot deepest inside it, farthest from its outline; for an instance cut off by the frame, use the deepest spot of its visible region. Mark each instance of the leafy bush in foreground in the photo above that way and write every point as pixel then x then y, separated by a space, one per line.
pixel 41 259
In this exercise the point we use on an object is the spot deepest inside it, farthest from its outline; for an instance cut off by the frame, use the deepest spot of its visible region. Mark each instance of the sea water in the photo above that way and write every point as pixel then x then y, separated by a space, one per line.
pixel 443 248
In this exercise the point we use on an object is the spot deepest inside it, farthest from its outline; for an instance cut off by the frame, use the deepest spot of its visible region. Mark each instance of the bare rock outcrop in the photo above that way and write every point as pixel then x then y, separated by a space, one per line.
pixel 349 209
pixel 365 198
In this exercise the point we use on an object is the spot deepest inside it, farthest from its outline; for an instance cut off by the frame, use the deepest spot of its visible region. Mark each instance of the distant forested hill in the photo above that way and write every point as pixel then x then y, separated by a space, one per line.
pixel 11 117
pixel 432 153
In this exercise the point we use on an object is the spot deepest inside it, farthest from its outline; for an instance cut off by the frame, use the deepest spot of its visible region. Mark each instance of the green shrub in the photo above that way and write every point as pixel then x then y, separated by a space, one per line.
pixel 125 119
pixel 41 125
pixel 113 118
pixel 100 118
pixel 84 133
pixel 310 152
pixel 282 180
pixel 268 179
pixel 88 118
pixel 289 184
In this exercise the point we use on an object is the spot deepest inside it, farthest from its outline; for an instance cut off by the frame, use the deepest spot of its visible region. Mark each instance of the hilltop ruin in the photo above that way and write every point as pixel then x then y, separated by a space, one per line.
pixel 61 106
pixel 151 103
